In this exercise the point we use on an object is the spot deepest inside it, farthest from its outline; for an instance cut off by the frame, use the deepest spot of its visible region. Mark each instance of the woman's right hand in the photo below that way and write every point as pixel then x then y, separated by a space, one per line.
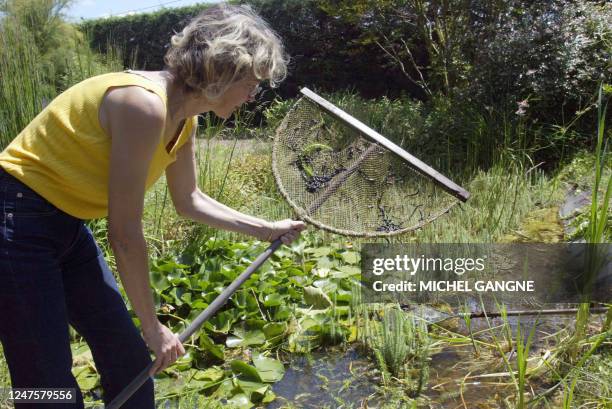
pixel 286 230
pixel 165 345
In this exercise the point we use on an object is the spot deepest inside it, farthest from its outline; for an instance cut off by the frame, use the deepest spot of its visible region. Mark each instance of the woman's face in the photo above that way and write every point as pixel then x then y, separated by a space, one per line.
pixel 237 94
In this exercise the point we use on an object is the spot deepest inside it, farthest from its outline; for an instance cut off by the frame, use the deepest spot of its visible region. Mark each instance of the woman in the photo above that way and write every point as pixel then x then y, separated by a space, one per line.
pixel 93 152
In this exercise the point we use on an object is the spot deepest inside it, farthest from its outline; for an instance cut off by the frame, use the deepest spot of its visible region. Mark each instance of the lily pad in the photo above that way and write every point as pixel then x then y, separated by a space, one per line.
pixel 273 330
pixel 320 251
pixel 254 390
pixel 273 300
pixel 240 401
pixel 326 262
pixel 87 380
pixel 269 396
pixel 243 338
pixel 316 297
pixel 269 369
pixel 208 345
pixel 346 271
pixel 350 257
pixel 246 371
pixel 213 374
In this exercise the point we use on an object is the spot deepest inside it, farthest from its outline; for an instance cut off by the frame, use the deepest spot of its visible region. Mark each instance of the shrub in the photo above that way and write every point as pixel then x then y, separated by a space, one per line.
pixel 276 111
pixel 551 55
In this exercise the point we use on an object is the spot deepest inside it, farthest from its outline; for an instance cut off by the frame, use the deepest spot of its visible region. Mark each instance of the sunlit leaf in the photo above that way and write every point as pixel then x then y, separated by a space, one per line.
pixel 159 281
pixel 326 262
pixel 207 344
pixel 316 297
pixel 283 313
pixel 350 257
pixel 346 271
pixel 269 396
pixel 183 363
pixel 273 300
pixel 319 251
pixel 246 371
pixel 245 338
pixel 222 321
pixel 254 390
pixel 212 374
pixel 274 329
pixel 269 369
pixel 240 401
pixel 326 285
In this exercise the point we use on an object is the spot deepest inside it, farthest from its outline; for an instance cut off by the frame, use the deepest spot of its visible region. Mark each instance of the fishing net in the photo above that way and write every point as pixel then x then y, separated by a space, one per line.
pixel 339 180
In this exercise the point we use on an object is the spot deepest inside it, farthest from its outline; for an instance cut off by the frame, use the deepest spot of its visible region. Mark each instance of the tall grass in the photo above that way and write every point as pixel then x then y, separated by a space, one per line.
pixel 31 79
pixel 598 217
pixel 24 88
pixel 501 198
pixel 522 355
pixel 598 222
pixel 467 318
pixel 82 62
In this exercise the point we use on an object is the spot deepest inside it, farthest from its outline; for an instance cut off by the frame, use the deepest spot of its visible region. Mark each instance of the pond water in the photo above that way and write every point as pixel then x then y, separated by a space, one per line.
pixel 338 378
pixel 332 378
pixel 459 375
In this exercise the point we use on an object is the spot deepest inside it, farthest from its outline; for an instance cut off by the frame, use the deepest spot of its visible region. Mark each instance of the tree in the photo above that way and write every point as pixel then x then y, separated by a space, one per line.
pixel 44 19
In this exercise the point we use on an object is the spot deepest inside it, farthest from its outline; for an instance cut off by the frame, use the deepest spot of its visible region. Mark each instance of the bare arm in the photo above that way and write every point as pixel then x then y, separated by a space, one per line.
pixel 136 123
pixel 190 202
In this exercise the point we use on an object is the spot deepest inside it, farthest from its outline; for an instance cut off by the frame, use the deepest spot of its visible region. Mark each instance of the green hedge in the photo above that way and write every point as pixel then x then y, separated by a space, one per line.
pixel 522 62
pixel 322 47
pixel 143 38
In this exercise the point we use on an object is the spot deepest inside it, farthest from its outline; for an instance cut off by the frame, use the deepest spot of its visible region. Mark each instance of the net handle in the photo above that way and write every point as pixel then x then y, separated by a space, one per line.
pixel 415 163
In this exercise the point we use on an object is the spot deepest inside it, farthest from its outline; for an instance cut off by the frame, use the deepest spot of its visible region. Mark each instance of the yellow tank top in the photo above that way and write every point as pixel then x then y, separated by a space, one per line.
pixel 64 153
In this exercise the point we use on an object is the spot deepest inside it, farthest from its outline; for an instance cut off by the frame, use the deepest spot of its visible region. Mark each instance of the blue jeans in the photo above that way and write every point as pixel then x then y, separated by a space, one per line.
pixel 53 274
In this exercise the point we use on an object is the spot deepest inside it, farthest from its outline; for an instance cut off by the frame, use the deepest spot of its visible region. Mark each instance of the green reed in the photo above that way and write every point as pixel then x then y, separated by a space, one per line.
pixel 399 344
pixel 24 88
pixel 598 222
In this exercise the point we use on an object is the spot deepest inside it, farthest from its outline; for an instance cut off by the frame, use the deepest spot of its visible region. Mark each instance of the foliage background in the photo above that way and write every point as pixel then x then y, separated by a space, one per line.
pixel 478 66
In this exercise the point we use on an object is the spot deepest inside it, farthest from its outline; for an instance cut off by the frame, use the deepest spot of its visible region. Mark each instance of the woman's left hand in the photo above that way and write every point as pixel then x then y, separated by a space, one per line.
pixel 286 230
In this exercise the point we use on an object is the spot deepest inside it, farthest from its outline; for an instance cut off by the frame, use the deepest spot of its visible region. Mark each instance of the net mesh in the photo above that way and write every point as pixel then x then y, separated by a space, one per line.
pixel 342 182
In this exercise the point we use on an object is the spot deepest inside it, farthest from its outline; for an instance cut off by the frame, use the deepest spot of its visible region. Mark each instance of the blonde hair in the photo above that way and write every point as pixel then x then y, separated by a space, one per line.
pixel 222 45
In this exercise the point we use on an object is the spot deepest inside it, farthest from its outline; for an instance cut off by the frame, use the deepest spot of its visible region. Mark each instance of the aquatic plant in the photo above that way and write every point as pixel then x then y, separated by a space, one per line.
pixel 598 222
pixel 400 346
